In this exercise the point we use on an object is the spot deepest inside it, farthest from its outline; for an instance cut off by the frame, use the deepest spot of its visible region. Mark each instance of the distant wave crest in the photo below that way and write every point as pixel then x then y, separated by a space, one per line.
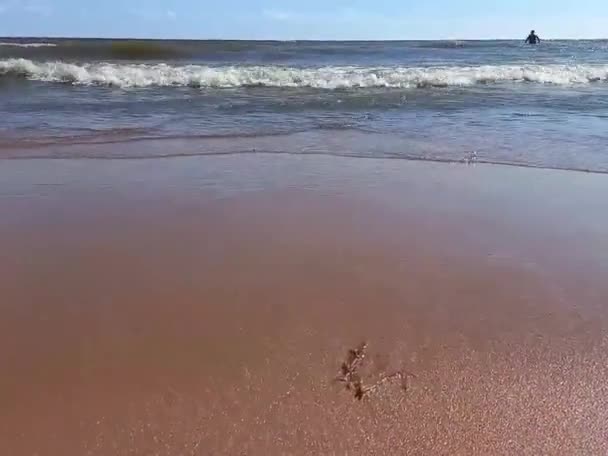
pixel 28 45
pixel 331 77
pixel 451 44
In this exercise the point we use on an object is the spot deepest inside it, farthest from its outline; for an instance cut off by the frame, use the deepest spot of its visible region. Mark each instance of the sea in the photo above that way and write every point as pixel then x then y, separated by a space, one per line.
pixel 469 102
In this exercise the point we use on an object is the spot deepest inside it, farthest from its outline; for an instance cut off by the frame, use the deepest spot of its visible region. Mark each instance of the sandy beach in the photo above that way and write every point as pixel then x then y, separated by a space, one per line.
pixel 203 306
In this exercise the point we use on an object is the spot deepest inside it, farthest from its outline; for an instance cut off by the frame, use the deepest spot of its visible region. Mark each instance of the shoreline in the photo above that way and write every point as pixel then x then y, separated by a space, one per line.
pixel 446 161
pixel 257 145
pixel 203 305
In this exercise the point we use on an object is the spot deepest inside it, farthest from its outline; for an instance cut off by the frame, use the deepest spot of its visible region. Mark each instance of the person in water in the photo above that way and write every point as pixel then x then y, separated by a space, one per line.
pixel 533 38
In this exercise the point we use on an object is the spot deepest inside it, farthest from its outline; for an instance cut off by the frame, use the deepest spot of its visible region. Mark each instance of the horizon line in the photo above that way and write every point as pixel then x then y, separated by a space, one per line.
pixel 312 40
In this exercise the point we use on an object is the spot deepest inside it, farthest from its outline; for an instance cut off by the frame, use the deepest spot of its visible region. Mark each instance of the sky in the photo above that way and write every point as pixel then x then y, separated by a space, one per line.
pixel 305 19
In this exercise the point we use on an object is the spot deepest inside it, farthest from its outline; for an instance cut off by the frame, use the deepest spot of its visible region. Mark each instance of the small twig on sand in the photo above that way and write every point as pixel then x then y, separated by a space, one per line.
pixel 349 368
pixel 402 377
pixel 349 375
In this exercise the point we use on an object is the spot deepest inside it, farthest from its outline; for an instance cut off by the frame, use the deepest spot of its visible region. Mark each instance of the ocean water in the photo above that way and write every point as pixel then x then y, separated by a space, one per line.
pixel 458 101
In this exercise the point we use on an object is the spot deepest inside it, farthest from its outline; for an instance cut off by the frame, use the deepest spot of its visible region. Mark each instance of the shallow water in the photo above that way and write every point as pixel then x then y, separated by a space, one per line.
pixel 492 101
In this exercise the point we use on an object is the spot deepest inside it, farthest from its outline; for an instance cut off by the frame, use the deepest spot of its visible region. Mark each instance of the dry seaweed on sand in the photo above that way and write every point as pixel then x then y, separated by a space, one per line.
pixel 349 369
pixel 350 376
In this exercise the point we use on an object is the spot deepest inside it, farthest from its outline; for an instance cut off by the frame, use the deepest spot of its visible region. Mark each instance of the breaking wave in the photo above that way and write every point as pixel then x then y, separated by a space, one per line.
pixel 330 77
pixel 27 45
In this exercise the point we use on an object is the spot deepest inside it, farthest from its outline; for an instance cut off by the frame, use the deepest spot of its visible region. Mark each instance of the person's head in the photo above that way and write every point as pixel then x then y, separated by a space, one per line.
pixel 532 32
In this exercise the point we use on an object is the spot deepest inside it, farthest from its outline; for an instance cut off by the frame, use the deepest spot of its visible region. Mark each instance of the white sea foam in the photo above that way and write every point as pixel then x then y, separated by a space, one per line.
pixel 27 45
pixel 331 77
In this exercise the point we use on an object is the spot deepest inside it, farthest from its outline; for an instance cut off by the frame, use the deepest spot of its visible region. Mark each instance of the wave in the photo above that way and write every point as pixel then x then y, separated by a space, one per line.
pixel 140 50
pixel 28 45
pixel 94 50
pixel 331 77
pixel 128 49
pixel 448 44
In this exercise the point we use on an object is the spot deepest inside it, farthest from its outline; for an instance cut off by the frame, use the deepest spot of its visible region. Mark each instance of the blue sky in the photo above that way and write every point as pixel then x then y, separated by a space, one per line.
pixel 305 19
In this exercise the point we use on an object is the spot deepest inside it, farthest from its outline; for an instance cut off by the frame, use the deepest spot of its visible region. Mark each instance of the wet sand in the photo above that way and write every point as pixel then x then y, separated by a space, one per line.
pixel 201 306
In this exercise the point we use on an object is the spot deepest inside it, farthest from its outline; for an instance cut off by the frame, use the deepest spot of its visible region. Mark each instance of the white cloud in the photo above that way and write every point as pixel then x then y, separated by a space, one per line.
pixel 332 16
pixel 153 15
pixel 40 9
pixel 141 14
pixel 276 15
pixel 5 7
pixel 332 22
pixel 36 7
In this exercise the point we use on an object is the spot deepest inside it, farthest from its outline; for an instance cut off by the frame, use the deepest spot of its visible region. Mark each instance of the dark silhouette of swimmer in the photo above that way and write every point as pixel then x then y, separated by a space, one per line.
pixel 533 38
